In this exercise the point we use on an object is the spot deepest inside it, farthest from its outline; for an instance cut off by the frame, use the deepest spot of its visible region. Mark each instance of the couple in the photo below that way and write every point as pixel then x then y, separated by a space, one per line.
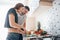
pixel 16 22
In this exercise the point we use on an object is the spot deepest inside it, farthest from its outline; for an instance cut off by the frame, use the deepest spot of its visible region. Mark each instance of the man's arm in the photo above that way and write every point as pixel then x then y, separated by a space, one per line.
pixel 24 24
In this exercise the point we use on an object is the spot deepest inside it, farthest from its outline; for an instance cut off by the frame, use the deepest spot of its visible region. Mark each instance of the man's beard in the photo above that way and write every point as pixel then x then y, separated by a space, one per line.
pixel 23 13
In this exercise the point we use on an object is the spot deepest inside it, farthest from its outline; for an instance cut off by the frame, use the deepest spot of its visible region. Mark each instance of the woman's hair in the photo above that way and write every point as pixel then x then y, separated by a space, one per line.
pixel 17 6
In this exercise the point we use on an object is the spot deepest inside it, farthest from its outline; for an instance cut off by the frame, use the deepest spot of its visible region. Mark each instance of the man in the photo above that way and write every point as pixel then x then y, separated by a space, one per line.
pixel 15 22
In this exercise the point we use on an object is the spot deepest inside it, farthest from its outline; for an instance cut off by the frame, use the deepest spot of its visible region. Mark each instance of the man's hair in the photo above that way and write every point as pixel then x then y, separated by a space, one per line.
pixel 17 6
pixel 27 8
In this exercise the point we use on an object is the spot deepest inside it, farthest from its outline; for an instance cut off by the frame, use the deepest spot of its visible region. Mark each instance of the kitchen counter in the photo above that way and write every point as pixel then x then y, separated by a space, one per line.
pixel 38 37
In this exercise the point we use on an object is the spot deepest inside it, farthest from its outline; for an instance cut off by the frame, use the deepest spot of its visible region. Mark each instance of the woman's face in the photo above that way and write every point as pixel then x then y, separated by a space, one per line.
pixel 20 10
pixel 23 10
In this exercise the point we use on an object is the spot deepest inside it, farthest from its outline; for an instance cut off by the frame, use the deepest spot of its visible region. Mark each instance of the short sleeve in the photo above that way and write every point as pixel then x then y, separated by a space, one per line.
pixel 12 10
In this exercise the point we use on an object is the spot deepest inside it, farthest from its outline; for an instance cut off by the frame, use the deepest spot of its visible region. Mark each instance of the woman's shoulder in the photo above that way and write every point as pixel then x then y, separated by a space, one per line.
pixel 11 9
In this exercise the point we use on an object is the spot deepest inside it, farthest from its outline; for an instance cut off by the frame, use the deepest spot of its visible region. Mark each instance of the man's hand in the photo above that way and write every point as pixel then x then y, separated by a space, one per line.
pixel 22 31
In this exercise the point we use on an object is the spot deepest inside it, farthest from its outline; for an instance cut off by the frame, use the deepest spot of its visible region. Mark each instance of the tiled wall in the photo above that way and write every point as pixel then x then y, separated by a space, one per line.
pixel 49 18
pixel 53 18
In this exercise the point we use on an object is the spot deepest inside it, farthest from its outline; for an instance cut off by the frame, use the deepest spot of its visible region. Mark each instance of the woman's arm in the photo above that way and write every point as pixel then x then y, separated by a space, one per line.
pixel 13 23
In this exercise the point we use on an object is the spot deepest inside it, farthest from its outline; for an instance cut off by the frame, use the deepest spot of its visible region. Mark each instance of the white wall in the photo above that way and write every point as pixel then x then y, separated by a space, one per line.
pixel 33 4
pixel 41 15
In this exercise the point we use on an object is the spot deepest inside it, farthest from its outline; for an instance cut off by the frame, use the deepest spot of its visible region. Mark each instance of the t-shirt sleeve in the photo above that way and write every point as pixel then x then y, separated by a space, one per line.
pixel 11 11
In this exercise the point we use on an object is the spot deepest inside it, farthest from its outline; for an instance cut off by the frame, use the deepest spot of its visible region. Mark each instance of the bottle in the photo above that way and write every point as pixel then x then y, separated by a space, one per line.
pixel 38 26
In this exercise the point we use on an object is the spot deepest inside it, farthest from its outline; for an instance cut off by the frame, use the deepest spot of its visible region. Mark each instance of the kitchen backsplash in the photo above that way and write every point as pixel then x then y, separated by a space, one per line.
pixel 53 18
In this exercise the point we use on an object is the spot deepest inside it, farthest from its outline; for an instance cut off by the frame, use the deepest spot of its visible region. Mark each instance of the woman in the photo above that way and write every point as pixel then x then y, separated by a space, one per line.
pixel 15 30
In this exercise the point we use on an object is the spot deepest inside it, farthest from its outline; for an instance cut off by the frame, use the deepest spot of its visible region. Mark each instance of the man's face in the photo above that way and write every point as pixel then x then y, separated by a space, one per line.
pixel 24 11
